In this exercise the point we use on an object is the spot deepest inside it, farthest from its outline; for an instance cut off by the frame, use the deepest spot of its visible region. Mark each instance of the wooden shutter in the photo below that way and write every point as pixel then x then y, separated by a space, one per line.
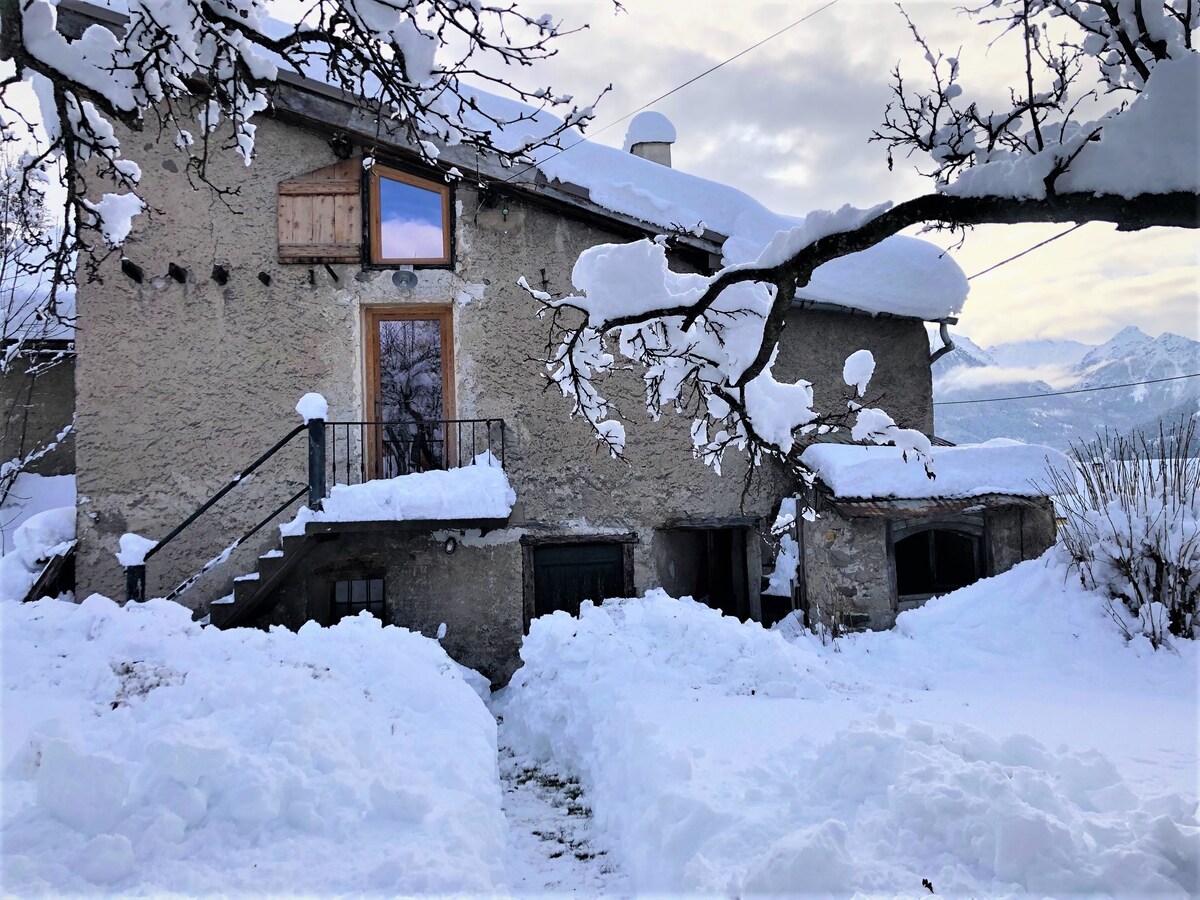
pixel 320 215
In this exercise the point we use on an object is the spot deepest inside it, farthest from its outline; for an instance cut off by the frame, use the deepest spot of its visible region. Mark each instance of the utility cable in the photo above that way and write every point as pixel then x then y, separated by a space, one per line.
pixel 1048 240
pixel 673 90
pixel 1106 387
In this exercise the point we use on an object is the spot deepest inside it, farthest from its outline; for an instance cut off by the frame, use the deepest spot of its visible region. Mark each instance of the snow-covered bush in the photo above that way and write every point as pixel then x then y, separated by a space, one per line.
pixel 1131 524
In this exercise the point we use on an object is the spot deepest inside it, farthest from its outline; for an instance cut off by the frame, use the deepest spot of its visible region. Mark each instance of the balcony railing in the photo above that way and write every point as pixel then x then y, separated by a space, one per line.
pixel 366 451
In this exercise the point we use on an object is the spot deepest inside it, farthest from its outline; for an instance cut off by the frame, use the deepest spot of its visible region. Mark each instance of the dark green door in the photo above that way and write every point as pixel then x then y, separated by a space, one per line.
pixel 565 575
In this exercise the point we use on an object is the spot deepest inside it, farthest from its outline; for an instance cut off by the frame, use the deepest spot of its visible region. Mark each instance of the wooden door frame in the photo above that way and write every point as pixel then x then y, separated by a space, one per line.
pixel 372 317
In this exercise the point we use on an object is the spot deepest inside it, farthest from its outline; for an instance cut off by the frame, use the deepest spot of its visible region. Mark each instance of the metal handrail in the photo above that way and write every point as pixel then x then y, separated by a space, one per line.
pixel 135 575
pixel 208 504
pixel 225 554
pixel 359 449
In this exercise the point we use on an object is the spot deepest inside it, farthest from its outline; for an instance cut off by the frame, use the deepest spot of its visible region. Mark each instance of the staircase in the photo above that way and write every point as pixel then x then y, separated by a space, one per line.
pixel 250 592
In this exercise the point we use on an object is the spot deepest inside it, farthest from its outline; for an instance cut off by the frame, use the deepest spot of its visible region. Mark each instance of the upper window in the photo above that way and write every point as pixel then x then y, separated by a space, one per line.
pixel 410 219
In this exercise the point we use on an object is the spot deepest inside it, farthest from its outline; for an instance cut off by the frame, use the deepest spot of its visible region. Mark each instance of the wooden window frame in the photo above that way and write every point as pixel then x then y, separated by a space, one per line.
pixel 374 208
pixel 372 316
pixel 899 530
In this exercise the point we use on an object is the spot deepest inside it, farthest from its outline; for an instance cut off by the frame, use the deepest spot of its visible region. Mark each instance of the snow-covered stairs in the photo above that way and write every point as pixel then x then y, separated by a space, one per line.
pixel 248 590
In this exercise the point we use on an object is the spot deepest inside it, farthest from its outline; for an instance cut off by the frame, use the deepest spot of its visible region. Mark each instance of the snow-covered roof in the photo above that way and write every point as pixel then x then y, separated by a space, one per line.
pixel 999 466
pixel 899 276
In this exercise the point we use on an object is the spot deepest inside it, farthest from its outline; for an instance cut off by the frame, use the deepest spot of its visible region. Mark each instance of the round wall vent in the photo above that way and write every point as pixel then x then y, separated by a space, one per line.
pixel 404 278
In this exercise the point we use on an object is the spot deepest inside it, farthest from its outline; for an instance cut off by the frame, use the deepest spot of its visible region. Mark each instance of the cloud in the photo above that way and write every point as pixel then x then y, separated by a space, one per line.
pixel 789 123
pixel 410 239
pixel 965 378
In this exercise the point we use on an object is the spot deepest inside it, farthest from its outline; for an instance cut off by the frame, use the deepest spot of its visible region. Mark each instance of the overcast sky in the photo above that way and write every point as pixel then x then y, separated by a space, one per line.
pixel 789 123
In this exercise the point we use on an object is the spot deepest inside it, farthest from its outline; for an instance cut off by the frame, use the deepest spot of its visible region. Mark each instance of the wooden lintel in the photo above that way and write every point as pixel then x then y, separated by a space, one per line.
pixel 535 540
pixel 711 522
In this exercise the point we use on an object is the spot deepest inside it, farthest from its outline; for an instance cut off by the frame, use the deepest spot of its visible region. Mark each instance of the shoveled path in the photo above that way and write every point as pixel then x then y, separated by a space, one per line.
pixel 552 844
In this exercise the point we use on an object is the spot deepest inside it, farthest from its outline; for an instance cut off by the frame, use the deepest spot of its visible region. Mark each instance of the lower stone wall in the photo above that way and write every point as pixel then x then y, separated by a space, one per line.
pixel 474 591
pixel 847 575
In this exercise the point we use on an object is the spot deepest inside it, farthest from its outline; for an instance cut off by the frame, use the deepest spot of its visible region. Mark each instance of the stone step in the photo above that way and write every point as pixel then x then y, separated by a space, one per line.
pixel 269 564
pixel 245 587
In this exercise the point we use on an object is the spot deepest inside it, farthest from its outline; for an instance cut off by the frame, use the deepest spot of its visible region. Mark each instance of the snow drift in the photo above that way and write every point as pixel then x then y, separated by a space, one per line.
pixel 720 757
pixel 145 754
pixel 36 539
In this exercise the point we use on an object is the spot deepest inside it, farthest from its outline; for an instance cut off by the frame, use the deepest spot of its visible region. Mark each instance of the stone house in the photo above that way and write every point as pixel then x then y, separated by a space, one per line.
pixel 391 289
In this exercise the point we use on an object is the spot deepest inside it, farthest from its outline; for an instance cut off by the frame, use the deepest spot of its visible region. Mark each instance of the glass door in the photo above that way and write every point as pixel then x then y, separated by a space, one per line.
pixel 409 389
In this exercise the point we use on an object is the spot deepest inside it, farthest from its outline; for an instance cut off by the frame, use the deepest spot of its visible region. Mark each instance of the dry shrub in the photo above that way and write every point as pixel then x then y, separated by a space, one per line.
pixel 1132 526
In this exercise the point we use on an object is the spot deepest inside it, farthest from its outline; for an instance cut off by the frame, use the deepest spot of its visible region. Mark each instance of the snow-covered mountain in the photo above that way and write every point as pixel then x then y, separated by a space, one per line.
pixel 1042 352
pixel 974 373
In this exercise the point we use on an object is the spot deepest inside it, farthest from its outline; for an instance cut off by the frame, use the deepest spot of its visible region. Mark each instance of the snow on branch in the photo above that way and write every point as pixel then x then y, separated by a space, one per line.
pixel 706 344
pixel 200 70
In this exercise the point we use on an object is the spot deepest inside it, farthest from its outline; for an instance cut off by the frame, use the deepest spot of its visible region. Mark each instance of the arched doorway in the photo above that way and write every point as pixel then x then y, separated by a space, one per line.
pixel 933 558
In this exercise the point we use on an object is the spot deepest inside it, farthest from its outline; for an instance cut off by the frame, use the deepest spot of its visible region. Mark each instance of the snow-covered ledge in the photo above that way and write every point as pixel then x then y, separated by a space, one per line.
pixel 478 492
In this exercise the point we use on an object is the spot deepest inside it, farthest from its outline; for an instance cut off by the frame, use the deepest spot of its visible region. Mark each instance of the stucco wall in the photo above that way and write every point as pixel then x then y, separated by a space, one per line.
pixel 815 345
pixel 182 385
pixel 35 409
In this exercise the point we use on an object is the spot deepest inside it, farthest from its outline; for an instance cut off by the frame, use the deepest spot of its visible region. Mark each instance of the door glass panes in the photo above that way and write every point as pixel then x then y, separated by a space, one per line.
pixel 411 225
pixel 410 397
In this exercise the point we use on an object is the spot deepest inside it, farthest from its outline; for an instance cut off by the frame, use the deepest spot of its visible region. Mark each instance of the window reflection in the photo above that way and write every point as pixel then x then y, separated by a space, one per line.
pixel 411 222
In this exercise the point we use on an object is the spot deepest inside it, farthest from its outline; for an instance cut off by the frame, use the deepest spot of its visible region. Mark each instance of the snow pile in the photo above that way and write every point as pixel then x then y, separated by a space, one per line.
pixel 38 539
pixel 478 491
pixel 649 127
pixel 133 549
pixel 998 466
pixel 31 494
pixel 717 761
pixel 313 406
pixel 143 753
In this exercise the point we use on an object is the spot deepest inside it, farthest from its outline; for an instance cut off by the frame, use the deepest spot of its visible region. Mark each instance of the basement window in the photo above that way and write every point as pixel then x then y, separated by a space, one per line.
pixel 410 219
pixel 356 595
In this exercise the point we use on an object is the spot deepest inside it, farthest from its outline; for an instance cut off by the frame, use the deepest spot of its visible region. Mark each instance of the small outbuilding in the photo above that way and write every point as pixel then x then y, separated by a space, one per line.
pixel 889 534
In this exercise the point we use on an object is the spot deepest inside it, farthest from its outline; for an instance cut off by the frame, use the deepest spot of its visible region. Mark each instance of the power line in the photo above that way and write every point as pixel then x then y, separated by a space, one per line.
pixel 1106 387
pixel 673 90
pixel 1049 240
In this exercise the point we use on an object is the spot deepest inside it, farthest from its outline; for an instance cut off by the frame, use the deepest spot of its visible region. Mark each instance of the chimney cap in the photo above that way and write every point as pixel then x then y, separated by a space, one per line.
pixel 649 127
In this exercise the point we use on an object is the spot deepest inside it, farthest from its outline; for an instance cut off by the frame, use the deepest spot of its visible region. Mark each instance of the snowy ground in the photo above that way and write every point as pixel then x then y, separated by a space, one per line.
pixel 143 753
pixel 30 495
pixel 1002 740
